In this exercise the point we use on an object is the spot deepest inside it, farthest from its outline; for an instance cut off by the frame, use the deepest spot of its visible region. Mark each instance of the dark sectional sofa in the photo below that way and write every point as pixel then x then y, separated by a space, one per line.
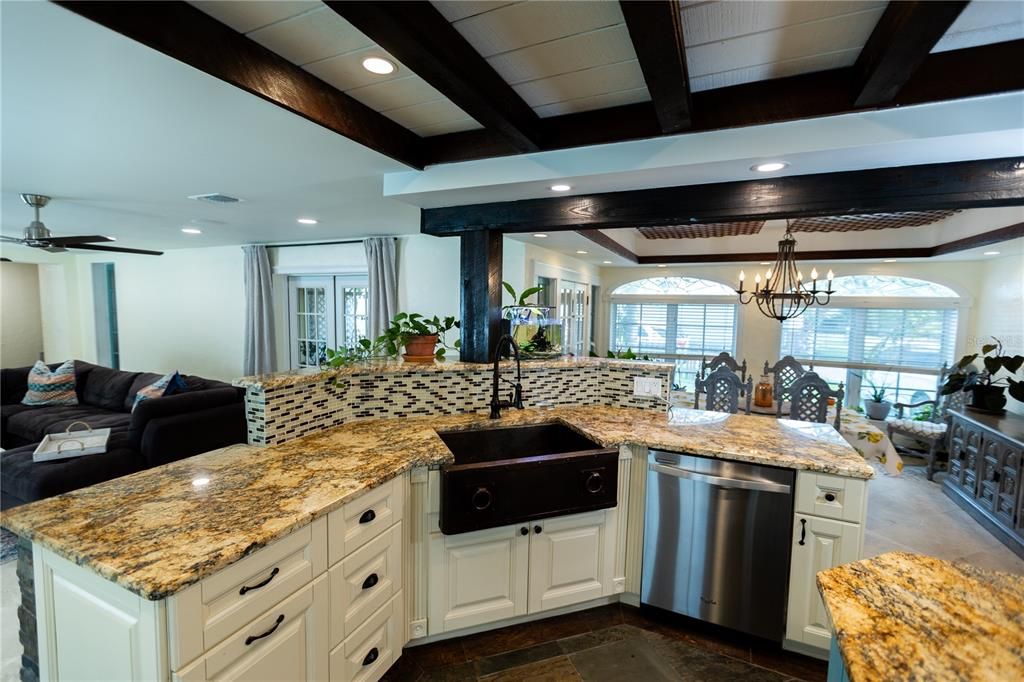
pixel 210 415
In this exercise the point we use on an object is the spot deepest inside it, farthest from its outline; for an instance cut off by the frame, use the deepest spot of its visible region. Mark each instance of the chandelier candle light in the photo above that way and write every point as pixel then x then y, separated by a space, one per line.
pixel 784 293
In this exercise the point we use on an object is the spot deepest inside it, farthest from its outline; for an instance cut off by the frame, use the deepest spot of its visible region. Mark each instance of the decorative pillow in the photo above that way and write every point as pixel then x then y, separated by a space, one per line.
pixel 168 384
pixel 51 388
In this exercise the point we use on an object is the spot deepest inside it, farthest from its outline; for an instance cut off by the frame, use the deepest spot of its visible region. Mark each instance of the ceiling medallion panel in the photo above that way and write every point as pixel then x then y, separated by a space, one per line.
pixel 869 221
pixel 702 230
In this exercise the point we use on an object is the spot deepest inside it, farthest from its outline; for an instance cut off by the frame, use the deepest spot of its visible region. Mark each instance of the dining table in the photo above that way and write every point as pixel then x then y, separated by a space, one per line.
pixel 867 438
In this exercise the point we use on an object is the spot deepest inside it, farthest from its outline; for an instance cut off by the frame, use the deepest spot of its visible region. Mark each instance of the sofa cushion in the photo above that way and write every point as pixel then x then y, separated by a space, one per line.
pixel 107 388
pixel 7 439
pixel 33 424
pixel 22 480
pixel 51 387
pixel 141 380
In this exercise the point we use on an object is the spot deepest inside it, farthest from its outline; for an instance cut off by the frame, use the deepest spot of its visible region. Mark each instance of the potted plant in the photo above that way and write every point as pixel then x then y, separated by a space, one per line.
pixel 876 407
pixel 420 337
pixel 987 388
pixel 535 330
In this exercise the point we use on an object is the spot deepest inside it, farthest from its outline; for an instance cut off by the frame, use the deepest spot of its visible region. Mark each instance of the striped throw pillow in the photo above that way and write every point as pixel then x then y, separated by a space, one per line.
pixel 51 388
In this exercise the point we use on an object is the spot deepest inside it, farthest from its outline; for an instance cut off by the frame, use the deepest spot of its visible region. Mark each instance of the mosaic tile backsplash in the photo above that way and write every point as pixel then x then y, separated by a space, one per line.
pixel 283 407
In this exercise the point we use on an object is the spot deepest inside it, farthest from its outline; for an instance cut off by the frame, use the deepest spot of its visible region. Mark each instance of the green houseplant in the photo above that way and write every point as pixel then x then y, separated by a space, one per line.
pixel 423 338
pixel 876 406
pixel 988 386
pixel 534 329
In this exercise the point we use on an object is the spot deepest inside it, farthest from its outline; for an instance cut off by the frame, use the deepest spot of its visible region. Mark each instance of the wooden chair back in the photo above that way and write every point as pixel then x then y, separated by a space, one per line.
pixel 808 399
pixel 722 390
pixel 786 371
pixel 725 359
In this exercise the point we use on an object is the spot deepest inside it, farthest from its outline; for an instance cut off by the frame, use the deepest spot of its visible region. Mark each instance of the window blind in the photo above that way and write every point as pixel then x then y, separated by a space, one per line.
pixel 674 329
pixel 881 337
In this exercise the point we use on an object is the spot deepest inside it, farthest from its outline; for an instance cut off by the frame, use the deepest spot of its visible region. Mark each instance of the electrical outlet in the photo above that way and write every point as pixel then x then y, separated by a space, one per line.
pixel 639 386
pixel 646 386
pixel 654 387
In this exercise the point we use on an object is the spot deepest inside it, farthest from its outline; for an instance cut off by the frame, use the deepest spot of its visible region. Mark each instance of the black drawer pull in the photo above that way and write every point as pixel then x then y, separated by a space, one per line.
pixel 537 529
pixel 250 588
pixel 803 531
pixel 252 638
pixel 830 497
pixel 367 516
pixel 371 657
pixel 370 581
pixel 524 531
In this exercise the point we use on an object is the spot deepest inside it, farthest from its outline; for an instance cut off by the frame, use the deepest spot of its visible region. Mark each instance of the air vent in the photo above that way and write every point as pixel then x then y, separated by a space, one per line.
pixel 216 198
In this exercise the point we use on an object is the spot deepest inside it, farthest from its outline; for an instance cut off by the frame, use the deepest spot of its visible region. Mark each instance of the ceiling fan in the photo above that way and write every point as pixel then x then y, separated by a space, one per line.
pixel 38 236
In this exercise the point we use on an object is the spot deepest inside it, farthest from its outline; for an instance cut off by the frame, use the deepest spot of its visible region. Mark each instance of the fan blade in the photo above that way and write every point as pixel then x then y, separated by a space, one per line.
pixel 117 249
pixel 52 249
pixel 84 239
pixel 13 240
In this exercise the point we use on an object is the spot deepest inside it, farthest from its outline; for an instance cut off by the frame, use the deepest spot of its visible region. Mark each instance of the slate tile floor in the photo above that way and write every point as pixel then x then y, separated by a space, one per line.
pixel 608 644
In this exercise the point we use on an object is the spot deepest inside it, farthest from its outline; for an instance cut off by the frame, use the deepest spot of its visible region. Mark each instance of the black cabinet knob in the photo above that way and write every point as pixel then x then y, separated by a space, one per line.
pixel 524 531
pixel 482 498
pixel 371 656
pixel 370 581
pixel 595 483
pixel 537 529
pixel 368 515
pixel 829 497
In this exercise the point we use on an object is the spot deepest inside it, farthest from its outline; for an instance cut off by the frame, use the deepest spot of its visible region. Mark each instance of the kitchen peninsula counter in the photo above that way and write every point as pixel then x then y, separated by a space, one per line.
pixel 161 530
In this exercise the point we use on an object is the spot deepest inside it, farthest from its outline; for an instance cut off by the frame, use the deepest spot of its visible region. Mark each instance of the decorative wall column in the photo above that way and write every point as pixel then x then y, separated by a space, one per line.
pixel 481 294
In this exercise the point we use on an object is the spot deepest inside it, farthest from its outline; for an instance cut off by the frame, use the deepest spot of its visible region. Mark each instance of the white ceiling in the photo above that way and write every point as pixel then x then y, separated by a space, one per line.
pixel 313 36
pixel 120 135
pixel 983 22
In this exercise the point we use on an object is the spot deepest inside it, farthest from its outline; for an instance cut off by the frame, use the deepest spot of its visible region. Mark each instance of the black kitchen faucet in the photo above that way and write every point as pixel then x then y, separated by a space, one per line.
pixel 515 398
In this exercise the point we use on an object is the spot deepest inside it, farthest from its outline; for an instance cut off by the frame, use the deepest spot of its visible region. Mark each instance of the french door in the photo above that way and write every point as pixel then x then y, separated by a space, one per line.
pixel 324 311
pixel 573 308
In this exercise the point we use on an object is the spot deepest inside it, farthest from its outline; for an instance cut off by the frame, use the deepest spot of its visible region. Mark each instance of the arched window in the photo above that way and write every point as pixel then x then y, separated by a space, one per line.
pixel 892 332
pixel 681 319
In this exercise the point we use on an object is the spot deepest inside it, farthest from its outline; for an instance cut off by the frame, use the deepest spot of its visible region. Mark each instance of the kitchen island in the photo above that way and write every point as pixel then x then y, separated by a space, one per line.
pixel 205 554
pixel 901 616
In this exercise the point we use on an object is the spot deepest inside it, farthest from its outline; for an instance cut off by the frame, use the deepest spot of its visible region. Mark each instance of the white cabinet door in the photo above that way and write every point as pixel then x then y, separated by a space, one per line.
pixel 288 642
pixel 572 559
pixel 818 544
pixel 477 577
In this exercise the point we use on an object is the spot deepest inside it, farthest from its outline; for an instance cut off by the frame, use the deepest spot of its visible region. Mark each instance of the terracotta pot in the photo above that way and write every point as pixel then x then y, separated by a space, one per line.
pixel 420 348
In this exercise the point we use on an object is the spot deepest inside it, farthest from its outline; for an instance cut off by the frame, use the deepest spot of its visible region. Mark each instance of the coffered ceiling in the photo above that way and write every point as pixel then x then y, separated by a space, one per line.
pixel 477 79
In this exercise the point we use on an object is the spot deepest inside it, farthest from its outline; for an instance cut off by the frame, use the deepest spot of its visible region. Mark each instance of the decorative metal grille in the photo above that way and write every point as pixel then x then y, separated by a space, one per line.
pixel 869 221
pixel 702 230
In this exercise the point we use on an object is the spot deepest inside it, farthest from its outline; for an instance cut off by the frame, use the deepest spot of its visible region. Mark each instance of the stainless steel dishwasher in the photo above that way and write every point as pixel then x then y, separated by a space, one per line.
pixel 717 541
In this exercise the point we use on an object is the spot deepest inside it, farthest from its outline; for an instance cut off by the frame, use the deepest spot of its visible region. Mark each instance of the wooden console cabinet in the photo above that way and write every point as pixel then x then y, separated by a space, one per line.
pixel 985 457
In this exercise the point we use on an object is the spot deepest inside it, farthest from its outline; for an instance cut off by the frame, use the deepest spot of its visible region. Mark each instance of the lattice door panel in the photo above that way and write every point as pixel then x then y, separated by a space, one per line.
pixel 723 396
pixel 809 405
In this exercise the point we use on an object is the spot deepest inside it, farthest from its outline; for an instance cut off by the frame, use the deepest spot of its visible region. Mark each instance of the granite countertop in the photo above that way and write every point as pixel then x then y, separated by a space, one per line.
pixel 902 616
pixel 160 530
pixel 391 366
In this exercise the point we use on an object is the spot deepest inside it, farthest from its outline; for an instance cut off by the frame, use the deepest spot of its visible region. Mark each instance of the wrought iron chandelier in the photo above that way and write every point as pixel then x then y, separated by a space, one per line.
pixel 784 294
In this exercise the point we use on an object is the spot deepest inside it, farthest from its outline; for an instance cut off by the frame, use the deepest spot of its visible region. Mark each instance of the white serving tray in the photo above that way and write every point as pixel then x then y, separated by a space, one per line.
pixel 71 444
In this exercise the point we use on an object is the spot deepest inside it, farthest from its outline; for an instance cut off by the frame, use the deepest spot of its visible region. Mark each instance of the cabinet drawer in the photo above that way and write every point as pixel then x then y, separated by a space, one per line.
pixel 365 581
pixel 234 596
pixel 831 497
pixel 363 519
pixel 287 642
pixel 369 651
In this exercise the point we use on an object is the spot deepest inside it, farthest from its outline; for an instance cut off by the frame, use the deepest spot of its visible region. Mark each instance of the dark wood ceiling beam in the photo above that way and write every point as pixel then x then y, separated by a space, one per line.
pixel 604 241
pixel 964 184
pixel 656 30
pixel 188 35
pixel 971 72
pixel 419 36
pixel 899 44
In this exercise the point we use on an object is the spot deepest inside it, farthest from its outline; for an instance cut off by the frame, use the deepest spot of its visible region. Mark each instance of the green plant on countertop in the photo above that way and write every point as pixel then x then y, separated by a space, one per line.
pixel 627 354
pixel 405 326
pixel 965 378
pixel 519 300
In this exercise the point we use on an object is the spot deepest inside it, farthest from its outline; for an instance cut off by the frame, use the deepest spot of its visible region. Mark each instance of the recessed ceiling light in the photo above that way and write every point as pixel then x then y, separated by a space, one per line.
pixel 889 260
pixel 540 236
pixel 764 262
pixel 662 266
pixel 991 253
pixel 307 221
pixel 378 65
pixel 769 167
pixel 607 262
pixel 560 188
pixel 191 230
pixel 582 253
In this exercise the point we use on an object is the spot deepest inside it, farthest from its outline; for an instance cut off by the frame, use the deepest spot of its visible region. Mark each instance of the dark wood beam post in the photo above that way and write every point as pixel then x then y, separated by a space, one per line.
pixel 656 29
pixel 899 44
pixel 481 294
pixel 419 36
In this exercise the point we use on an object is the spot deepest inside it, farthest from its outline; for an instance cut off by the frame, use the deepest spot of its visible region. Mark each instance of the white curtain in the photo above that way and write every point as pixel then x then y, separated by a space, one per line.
pixel 383 283
pixel 259 355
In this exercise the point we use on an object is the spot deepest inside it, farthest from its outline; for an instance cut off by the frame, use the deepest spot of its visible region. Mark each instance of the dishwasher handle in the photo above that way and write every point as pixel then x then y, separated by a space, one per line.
pixel 720 481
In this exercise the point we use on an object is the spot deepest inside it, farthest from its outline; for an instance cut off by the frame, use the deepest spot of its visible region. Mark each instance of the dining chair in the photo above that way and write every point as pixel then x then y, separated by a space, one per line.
pixel 786 371
pixel 933 430
pixel 725 359
pixel 722 390
pixel 808 399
